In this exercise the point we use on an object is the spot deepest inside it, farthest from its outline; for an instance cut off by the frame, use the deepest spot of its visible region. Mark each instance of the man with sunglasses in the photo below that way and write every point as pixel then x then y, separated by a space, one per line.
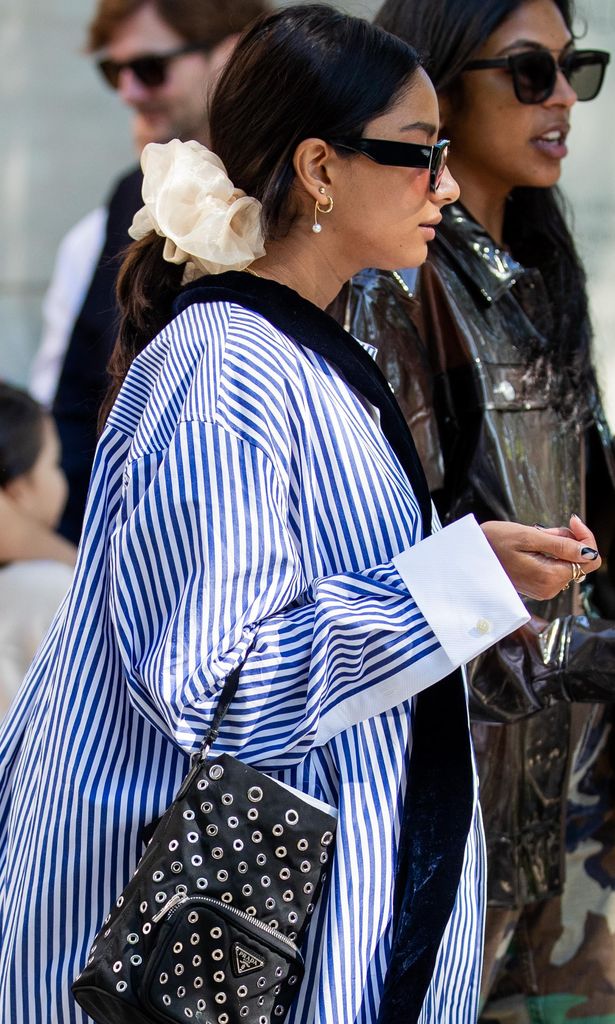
pixel 160 56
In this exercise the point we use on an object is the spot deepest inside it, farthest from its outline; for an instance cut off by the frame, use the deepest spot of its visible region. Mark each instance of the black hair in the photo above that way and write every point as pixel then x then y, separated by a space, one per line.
pixel 301 72
pixel 21 432
pixel 448 33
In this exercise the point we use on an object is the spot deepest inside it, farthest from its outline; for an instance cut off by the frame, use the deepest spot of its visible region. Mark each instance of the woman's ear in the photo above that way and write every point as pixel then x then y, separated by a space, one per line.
pixel 445 105
pixel 310 163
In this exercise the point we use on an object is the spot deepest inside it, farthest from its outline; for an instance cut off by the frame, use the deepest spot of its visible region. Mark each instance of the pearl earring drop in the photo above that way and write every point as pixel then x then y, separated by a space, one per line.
pixel 316 227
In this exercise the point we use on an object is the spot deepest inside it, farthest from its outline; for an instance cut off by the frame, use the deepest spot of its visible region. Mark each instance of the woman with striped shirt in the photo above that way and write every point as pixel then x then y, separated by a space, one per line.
pixel 256 500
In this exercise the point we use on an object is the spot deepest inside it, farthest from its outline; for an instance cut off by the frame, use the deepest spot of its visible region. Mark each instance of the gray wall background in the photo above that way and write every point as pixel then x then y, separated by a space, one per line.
pixel 65 138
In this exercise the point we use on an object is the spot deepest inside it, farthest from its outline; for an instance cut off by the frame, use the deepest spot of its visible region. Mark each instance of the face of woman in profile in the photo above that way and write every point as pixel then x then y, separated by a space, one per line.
pixel 385 216
pixel 498 142
pixel 41 492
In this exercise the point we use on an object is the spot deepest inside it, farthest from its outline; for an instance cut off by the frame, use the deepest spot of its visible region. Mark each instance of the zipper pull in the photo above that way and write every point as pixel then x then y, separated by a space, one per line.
pixel 175 899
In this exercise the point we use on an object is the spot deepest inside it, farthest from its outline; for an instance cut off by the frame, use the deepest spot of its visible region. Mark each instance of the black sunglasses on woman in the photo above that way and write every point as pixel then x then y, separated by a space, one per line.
pixel 402 154
pixel 534 72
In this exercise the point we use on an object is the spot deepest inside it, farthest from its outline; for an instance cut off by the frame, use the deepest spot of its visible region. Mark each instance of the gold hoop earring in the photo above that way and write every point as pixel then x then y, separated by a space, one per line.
pixel 316 227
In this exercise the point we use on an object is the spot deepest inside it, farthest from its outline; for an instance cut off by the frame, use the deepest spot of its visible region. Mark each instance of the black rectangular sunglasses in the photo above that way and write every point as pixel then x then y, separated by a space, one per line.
pixel 402 154
pixel 150 69
pixel 534 72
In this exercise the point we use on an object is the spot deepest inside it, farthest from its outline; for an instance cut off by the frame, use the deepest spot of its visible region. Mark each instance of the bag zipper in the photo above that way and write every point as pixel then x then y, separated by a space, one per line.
pixel 176 900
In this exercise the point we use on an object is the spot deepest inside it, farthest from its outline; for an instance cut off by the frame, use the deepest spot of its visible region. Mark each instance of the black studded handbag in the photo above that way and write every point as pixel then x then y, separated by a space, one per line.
pixel 210 926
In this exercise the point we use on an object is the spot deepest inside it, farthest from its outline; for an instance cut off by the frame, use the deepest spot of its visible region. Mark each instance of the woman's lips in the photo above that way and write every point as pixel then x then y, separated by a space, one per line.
pixel 552 143
pixel 429 232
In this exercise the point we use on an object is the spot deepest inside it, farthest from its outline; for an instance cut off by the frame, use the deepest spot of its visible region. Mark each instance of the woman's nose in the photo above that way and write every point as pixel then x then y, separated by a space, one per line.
pixel 447 191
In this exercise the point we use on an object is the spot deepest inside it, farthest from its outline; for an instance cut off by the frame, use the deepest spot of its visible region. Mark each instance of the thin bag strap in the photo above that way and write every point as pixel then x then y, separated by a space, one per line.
pixel 224 701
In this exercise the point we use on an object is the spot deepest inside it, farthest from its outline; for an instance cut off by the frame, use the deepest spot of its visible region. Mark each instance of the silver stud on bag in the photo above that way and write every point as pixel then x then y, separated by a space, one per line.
pixel 247 890
pixel 181 890
pixel 251 911
pixel 178 947
pixel 265 881
pixel 308 888
pixel 195 938
pixel 261 860
pixel 173 845
pixel 189 815
pixel 164 977
pixel 244 1011
pixel 133 938
pixel 193 917
pixel 160 897
pixel 305 866
pixel 284 874
pixel 158 876
pixel 207 807
pixel 279 972
pixel 288 895
pixel 166 1000
pixel 181 992
pixel 222 875
pixel 216 772
pixel 233 822
pixel 252 814
pixel 291 818
pixel 281 851
pixel 277 830
pixel 269 904
pixel 227 897
pixel 242 867
pixel 193 837
pixel 217 853
pixel 223 1018
pixel 202 784
pixel 220 999
pixel 227 799
pixel 196 861
pixel 197 961
pixel 237 845
pixel 143 907
pixel 255 794
pixel 257 836
pixel 201 883
pixel 324 857
pixel 292 917
pixel 261 982
pixel 219 977
pixel 179 970
pixel 177 867
pixel 212 830
pixel 198 983
pixel 216 933
pixel 121 986
pixel 327 839
pixel 217 954
pixel 302 845
pixel 117 966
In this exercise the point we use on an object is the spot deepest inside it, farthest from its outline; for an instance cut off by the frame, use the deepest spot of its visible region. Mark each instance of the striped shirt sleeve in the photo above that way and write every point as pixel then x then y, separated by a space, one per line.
pixel 225 586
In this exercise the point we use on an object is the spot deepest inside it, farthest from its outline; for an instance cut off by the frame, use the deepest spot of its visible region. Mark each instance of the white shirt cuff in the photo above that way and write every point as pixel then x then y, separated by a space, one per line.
pixel 461 589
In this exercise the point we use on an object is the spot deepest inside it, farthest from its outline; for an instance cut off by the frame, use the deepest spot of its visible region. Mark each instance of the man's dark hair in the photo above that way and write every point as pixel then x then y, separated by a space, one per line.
pixel 196 21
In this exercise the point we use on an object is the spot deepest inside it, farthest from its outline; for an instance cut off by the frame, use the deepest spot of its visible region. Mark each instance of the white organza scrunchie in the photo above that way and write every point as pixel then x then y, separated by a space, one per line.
pixel 208 224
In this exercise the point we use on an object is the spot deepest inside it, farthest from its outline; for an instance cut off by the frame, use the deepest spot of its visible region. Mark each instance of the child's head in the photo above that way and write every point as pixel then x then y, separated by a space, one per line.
pixel 30 472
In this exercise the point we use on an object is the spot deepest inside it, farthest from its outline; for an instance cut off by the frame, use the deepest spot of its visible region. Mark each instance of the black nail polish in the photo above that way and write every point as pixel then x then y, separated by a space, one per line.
pixel 590 553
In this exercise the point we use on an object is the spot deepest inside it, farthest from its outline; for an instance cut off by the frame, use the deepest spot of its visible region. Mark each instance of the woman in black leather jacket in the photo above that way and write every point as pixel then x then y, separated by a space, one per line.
pixel 491 362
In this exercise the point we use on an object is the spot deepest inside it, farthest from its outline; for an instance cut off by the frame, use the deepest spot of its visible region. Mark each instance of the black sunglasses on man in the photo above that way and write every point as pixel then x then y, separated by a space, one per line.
pixel 151 69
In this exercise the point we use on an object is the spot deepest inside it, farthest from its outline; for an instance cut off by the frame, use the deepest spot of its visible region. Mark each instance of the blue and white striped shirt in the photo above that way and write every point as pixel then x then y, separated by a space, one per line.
pixel 244 508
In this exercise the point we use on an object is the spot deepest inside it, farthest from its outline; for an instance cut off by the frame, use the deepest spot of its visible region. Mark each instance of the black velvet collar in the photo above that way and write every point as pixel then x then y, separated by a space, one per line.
pixel 314 329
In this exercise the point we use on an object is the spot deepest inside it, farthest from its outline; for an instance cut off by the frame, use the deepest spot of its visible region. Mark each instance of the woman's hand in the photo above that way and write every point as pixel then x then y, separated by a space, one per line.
pixel 539 561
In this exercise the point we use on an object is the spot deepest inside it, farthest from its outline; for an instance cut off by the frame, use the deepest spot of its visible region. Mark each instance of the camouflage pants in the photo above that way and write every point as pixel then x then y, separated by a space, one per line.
pixel 554 962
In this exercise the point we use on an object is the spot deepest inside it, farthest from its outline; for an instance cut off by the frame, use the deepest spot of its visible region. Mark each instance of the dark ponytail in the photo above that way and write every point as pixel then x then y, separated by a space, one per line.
pixel 301 72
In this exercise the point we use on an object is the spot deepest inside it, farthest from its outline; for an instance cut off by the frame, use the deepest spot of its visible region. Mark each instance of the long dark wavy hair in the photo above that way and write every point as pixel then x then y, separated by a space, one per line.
pixel 447 33
pixel 301 72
